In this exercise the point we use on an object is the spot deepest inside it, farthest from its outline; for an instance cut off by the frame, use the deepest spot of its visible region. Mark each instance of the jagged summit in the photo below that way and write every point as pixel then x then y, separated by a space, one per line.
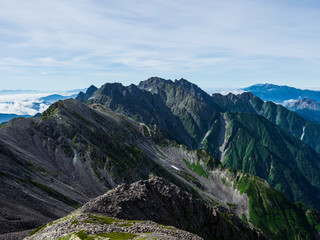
pixel 155 81
pixel 85 96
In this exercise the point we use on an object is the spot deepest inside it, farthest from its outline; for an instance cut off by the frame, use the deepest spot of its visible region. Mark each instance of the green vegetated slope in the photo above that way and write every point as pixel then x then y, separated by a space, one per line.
pixel 261 148
pixel 269 210
pixel 289 121
pixel 274 214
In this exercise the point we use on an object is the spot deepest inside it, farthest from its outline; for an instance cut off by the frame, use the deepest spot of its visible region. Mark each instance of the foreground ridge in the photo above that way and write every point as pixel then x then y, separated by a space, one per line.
pixel 154 200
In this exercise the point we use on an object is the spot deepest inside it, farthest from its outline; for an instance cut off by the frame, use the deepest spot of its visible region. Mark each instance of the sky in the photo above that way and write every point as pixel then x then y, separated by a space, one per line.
pixel 71 44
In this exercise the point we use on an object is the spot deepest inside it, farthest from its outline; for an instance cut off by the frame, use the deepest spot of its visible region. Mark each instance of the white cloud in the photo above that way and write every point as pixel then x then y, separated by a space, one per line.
pixel 224 91
pixel 26 103
pixel 63 38
pixel 21 104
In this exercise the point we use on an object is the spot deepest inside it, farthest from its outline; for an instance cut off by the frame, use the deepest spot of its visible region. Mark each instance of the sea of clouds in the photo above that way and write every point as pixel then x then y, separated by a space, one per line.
pixel 24 103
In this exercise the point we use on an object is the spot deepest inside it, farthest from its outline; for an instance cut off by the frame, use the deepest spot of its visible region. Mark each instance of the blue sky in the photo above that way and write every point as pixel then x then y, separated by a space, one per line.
pixel 69 44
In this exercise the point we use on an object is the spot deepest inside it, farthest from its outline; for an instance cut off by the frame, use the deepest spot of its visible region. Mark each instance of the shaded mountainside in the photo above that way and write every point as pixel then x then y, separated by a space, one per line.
pixel 182 109
pixel 69 155
pixel 73 152
pixel 245 141
pixel 85 96
pixel 161 202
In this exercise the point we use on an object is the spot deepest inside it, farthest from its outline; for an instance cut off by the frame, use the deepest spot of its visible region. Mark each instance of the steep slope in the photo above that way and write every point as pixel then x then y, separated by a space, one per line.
pixel 72 153
pixel 190 104
pixel 255 143
pixel 61 160
pixel 85 96
pixel 158 201
pixel 289 121
pixel 182 109
pixel 259 147
pixel 142 106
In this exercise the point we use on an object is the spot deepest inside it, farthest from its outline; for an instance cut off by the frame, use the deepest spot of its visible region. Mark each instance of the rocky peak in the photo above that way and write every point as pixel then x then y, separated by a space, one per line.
pixel 85 96
pixel 162 202
pixel 91 90
pixel 153 81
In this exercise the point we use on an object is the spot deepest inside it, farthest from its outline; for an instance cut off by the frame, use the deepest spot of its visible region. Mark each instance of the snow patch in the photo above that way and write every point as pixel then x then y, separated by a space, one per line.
pixel 303 131
pixel 174 167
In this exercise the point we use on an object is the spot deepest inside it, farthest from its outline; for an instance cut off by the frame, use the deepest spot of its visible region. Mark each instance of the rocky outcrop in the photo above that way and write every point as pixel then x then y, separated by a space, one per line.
pixel 148 209
pixel 162 202
pixel 85 96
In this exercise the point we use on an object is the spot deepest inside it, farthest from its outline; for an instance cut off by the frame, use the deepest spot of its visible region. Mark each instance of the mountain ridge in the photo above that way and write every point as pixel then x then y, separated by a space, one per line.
pixel 203 117
pixel 74 152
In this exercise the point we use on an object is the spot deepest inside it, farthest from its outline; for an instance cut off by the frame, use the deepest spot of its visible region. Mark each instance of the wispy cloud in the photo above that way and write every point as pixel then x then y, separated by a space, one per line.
pixel 75 40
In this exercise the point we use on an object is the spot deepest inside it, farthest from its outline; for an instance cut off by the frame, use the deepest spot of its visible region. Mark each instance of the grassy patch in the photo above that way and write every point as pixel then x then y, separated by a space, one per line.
pixel 104 220
pixel 270 211
pixel 232 205
pixel 38 229
pixel 74 222
pixel 118 235
pixel 197 168
pixel 125 224
pixel 167 227
pixel 223 180
pixel 244 219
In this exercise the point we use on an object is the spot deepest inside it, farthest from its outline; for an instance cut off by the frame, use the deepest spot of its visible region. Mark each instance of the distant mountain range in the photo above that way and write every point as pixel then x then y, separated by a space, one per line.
pixel 304 102
pixel 6 117
pixel 279 94
pixel 217 166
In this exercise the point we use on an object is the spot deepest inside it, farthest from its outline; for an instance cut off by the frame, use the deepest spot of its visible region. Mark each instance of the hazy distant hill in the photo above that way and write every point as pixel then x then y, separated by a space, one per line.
pixel 6 117
pixel 279 94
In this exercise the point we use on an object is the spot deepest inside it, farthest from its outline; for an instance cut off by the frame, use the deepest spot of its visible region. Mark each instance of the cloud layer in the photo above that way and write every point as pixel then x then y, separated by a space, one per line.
pixel 60 44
